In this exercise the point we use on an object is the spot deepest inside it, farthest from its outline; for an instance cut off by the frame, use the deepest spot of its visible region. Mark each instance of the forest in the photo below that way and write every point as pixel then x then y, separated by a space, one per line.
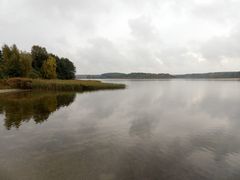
pixel 140 75
pixel 35 64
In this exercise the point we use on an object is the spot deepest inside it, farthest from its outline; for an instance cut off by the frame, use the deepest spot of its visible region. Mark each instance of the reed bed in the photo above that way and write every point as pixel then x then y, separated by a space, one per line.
pixel 3 84
pixel 61 85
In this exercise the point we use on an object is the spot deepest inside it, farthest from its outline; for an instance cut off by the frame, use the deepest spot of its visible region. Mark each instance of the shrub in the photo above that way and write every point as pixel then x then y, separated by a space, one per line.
pixel 34 74
pixel 20 83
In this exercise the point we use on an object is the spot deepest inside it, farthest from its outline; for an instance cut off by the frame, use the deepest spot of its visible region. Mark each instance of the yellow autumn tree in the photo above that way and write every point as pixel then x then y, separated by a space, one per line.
pixel 49 68
pixel 26 63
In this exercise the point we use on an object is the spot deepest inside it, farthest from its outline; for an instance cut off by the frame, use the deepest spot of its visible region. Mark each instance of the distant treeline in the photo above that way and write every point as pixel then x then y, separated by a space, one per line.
pixel 210 75
pixel 35 64
pixel 160 76
pixel 126 76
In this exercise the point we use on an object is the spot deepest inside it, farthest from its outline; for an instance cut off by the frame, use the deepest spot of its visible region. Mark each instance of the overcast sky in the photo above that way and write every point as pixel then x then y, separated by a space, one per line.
pixel 161 36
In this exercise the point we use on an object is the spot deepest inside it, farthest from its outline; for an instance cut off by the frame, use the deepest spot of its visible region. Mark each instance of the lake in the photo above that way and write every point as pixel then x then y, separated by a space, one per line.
pixel 152 130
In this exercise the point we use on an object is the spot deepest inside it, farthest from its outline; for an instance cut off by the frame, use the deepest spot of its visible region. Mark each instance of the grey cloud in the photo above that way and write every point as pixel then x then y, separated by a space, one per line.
pixel 99 55
pixel 221 11
pixel 221 47
pixel 142 29
pixel 128 35
pixel 66 6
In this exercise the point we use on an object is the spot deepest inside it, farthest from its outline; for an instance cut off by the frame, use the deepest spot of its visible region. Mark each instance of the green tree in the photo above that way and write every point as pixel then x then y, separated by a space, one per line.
pixel 5 56
pixel 6 53
pixel 39 55
pixel 26 64
pixel 11 61
pixel 65 69
pixel 1 57
pixel 49 68
pixel 1 65
pixel 14 63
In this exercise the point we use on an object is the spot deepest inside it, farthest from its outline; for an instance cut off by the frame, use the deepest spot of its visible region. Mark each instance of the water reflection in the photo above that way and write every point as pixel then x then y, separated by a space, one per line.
pixel 173 130
pixel 23 106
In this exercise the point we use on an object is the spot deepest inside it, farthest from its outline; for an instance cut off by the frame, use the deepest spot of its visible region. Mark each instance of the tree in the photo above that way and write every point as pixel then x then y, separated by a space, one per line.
pixel 5 56
pixel 11 61
pixel 65 69
pixel 14 63
pixel 6 53
pixel 49 68
pixel 39 56
pixel 1 65
pixel 26 64
pixel 1 57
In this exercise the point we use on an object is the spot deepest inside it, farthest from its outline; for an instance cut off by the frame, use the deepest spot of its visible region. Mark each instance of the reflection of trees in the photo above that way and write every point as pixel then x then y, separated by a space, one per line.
pixel 23 106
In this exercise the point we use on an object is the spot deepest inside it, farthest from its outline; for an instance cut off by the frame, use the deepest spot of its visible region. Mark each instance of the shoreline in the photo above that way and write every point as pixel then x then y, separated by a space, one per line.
pixel 58 85
pixel 166 79
pixel 9 90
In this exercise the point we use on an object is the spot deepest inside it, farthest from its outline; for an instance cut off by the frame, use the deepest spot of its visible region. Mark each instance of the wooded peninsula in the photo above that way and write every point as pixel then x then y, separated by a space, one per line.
pixel 39 69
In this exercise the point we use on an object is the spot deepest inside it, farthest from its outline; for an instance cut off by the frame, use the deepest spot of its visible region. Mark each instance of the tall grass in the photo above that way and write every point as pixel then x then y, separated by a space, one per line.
pixel 61 85
pixel 3 84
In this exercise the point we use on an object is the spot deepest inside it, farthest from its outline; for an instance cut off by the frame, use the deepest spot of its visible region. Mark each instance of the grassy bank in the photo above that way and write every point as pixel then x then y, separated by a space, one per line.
pixel 58 85
pixel 3 85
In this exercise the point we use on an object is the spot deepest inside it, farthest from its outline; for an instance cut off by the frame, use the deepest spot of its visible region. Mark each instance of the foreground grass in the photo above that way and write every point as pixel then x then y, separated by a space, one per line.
pixel 59 85
pixel 3 85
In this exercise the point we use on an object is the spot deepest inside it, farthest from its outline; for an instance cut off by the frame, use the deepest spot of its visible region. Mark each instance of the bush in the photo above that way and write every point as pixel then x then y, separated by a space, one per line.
pixel 19 83
pixel 34 74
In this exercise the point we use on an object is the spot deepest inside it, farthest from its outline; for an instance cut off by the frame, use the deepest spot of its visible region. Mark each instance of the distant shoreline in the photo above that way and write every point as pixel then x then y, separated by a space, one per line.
pixel 170 79
pixel 140 75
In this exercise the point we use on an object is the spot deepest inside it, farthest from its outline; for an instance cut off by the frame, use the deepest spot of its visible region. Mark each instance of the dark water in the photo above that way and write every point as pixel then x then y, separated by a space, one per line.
pixel 153 130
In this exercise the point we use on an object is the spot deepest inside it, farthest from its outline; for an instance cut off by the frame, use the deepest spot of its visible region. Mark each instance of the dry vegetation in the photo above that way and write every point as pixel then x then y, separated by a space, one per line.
pixel 3 85
pixel 59 85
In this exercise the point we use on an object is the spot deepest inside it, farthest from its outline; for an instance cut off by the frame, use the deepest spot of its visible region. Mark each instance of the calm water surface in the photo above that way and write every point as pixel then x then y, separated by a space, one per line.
pixel 153 130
